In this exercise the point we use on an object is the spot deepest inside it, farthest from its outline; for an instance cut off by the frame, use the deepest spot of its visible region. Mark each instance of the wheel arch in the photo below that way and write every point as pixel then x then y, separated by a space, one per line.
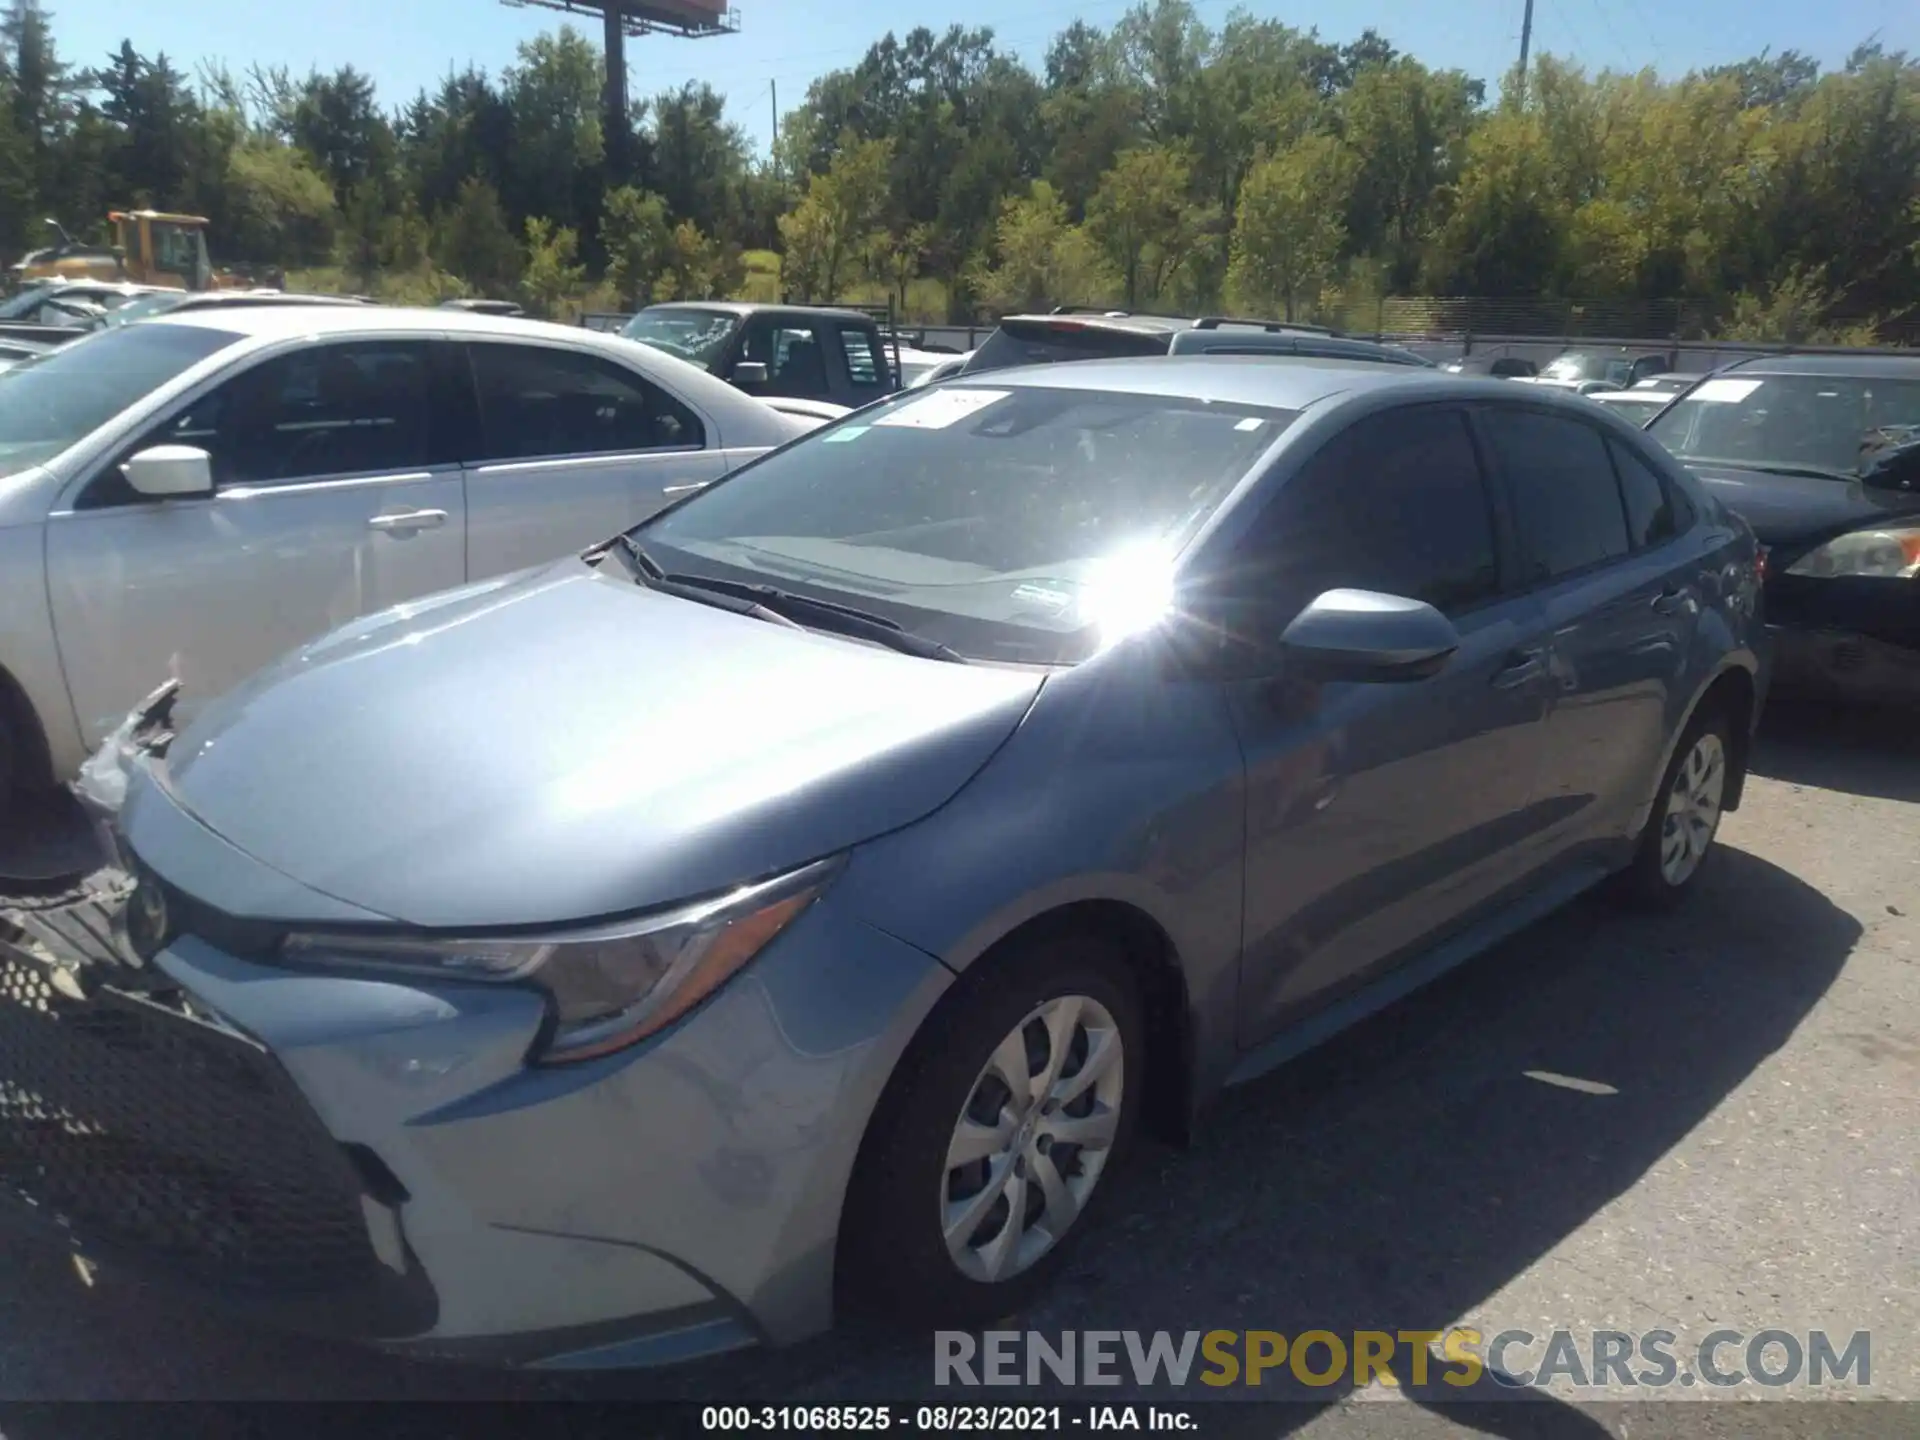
pixel 35 758
pixel 1735 688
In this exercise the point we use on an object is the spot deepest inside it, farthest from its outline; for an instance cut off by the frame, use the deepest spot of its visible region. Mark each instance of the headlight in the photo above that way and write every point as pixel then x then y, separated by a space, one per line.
pixel 1893 554
pixel 609 985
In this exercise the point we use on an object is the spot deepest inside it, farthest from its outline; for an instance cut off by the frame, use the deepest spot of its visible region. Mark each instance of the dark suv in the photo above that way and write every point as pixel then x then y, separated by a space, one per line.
pixel 1072 333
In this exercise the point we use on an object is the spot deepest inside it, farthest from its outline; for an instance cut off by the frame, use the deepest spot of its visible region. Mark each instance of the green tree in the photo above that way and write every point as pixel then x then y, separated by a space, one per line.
pixel 279 207
pixel 1044 259
pixel 472 240
pixel 638 236
pixel 1288 229
pixel 553 274
pixel 833 225
pixel 1143 217
pixel 553 96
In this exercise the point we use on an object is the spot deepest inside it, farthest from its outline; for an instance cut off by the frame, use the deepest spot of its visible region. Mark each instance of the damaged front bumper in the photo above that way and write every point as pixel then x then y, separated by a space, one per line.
pixel 371 1157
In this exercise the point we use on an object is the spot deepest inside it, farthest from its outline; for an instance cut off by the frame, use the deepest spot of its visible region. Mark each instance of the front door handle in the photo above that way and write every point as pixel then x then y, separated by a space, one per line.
pixel 1523 667
pixel 1670 599
pixel 687 488
pixel 409 520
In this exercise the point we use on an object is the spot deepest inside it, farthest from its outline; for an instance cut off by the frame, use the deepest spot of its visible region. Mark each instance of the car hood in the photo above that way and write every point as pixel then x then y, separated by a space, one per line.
pixel 569 746
pixel 1785 509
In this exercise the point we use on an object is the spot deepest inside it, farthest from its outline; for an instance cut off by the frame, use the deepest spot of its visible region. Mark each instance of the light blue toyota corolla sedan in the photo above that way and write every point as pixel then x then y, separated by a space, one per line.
pixel 799 901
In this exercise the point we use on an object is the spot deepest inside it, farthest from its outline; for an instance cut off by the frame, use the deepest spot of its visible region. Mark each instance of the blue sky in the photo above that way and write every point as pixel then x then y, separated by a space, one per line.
pixel 405 44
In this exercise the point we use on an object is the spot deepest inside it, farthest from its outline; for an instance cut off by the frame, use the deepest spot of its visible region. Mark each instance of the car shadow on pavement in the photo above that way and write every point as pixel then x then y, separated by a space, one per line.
pixel 1393 1180
pixel 1868 752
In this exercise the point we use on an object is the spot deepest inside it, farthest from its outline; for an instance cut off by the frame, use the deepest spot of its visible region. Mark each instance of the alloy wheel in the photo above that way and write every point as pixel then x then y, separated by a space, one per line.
pixel 1033 1138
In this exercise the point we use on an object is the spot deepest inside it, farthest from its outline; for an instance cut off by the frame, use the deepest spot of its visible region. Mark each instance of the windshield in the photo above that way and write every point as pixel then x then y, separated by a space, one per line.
pixel 1613 370
pixel 695 335
pixel 1637 410
pixel 1802 422
pixel 25 303
pixel 1011 524
pixel 61 398
pixel 146 305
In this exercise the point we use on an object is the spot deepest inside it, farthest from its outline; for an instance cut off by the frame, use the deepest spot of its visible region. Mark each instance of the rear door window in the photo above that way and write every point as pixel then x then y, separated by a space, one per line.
pixel 1652 516
pixel 538 403
pixel 1566 502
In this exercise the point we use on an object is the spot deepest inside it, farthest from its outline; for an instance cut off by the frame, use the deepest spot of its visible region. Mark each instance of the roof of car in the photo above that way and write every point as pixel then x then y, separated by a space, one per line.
pixel 1865 366
pixel 1283 382
pixel 748 307
pixel 270 321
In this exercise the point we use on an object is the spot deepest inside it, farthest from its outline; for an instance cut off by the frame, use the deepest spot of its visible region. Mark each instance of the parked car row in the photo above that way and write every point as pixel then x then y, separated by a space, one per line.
pixel 709 877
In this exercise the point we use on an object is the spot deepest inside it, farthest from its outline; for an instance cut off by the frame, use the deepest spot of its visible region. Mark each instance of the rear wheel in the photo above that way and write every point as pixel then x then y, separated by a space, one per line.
pixel 1685 820
pixel 996 1135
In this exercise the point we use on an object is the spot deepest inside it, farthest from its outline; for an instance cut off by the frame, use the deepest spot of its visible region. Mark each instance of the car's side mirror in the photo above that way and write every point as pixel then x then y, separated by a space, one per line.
pixel 1365 636
pixel 750 372
pixel 170 472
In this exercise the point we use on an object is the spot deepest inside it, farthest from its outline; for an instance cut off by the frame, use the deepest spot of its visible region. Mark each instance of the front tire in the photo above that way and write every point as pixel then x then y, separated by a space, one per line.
pixel 1678 839
pixel 1002 1125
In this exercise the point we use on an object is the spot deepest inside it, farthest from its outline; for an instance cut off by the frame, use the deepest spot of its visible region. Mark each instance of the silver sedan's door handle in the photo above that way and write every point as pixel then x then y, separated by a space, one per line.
pixel 687 488
pixel 409 520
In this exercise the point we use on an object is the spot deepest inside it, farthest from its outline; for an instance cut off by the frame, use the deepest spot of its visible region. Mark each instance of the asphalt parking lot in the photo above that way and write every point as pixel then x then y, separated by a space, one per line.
pixel 1737 1152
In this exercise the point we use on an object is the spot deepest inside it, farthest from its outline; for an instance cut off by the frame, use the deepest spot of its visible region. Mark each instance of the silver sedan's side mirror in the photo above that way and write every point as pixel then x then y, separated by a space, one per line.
pixel 170 472
pixel 1364 636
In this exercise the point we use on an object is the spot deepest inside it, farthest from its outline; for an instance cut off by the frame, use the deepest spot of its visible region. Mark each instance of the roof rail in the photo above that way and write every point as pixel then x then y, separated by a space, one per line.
pixel 1278 327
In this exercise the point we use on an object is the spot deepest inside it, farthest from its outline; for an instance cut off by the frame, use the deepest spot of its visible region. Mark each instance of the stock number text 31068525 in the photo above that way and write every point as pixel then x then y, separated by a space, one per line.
pixel 936 1418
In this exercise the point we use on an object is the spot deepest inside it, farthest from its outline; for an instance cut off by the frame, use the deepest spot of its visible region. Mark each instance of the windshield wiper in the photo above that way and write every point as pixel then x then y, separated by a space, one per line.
pixel 826 615
pixel 647 571
pixel 1769 467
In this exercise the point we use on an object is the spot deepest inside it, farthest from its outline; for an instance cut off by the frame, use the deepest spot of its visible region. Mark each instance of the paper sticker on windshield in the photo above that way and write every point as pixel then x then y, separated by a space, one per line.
pixel 940 408
pixel 1252 422
pixel 1046 599
pixel 840 437
pixel 1725 392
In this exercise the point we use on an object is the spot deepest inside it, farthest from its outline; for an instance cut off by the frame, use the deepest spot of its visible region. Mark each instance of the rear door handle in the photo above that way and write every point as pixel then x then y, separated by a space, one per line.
pixel 1670 599
pixel 1522 668
pixel 687 488
pixel 409 520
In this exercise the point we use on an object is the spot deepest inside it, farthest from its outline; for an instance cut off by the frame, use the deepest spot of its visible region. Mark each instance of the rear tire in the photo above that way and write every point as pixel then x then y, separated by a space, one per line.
pixel 1685 820
pixel 1001 1126
pixel 13 761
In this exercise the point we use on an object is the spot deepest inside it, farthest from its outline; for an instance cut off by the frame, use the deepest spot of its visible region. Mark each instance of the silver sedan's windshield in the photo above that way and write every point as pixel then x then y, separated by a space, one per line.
pixel 61 398
pixel 1004 522
pixel 697 336
pixel 1799 422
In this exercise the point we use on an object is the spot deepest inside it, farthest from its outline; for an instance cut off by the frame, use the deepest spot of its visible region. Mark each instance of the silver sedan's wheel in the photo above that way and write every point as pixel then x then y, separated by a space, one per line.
pixel 1033 1138
pixel 1693 808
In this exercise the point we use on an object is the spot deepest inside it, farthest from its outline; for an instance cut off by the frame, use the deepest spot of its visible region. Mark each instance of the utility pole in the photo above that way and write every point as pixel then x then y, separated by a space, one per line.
pixel 1526 43
pixel 773 103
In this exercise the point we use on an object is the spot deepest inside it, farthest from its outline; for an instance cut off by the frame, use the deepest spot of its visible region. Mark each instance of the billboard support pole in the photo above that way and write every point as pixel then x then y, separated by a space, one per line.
pixel 616 96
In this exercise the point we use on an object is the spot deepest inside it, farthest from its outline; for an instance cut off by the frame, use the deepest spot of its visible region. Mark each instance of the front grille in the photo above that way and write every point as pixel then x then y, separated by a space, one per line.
pixel 178 1144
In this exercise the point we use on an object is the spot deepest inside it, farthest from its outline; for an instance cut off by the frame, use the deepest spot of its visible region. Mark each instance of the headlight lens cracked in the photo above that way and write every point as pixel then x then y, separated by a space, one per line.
pixel 609 985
